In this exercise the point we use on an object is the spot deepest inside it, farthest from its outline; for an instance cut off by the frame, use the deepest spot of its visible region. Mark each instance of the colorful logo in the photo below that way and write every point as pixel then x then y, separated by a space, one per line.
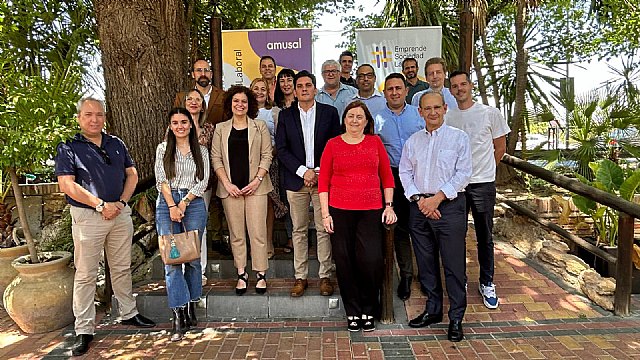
pixel 381 57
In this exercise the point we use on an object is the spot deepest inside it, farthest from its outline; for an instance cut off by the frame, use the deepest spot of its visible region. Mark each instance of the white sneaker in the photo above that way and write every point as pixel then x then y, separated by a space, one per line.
pixel 489 296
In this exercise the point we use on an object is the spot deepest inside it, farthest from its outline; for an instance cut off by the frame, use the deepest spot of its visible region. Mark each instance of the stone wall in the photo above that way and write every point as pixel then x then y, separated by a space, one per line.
pixel 44 204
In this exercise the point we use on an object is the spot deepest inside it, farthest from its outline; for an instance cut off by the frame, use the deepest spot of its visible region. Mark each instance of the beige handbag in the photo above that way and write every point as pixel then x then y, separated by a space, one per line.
pixel 179 248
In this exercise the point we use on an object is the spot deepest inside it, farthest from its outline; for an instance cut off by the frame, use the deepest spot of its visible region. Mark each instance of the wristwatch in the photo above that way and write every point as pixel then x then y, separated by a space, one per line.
pixel 124 203
pixel 260 178
pixel 100 206
pixel 186 200
pixel 416 197
pixel 389 204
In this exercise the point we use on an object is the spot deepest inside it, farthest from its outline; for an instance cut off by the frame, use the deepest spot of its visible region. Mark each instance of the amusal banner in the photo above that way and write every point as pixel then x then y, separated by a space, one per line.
pixel 242 49
pixel 385 49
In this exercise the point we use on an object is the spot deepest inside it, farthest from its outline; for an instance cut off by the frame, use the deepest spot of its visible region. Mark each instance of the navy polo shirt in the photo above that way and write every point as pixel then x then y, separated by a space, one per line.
pixel 100 170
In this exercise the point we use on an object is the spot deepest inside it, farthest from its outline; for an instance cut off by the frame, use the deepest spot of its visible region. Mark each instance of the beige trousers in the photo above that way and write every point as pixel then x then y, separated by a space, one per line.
pixel 252 212
pixel 299 210
pixel 91 236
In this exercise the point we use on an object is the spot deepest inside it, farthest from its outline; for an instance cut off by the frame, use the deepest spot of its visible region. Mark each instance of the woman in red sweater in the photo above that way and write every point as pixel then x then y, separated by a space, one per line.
pixel 353 168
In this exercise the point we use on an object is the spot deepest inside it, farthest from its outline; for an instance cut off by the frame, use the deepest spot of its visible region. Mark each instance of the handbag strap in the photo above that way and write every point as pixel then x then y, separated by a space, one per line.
pixel 184 229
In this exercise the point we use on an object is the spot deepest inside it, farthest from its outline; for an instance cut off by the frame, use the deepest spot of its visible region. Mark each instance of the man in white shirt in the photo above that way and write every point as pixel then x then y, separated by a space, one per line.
pixel 435 70
pixel 487 130
pixel 435 167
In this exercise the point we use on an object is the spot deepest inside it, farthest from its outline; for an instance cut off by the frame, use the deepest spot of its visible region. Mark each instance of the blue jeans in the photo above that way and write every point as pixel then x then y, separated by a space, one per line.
pixel 182 285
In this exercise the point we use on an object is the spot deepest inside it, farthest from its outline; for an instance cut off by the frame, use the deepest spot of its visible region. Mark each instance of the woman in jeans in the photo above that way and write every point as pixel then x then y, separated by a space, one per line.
pixel 182 175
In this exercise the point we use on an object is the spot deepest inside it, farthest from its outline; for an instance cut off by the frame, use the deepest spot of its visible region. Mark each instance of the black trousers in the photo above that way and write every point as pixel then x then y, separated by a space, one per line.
pixel 356 245
pixel 446 236
pixel 401 240
pixel 481 199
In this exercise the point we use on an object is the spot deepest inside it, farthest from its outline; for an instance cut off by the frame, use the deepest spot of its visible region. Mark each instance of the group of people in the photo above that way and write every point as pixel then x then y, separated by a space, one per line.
pixel 362 158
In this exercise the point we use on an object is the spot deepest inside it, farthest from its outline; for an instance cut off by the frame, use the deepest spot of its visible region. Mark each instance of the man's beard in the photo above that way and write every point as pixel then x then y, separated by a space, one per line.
pixel 203 81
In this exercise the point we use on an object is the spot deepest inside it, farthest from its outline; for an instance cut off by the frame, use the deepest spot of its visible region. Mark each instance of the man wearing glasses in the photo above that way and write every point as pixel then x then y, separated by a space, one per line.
pixel 213 96
pixel 334 92
pixel 98 177
pixel 367 92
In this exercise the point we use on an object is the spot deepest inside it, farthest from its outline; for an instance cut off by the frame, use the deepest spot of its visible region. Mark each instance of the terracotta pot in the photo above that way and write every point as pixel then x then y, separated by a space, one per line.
pixel 40 298
pixel 7 272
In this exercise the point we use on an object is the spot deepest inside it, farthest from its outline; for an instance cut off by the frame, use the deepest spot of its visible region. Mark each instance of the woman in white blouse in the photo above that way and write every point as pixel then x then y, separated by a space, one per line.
pixel 182 175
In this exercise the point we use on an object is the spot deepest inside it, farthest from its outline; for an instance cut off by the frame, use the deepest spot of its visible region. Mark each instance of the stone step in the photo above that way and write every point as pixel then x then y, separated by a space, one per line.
pixel 219 301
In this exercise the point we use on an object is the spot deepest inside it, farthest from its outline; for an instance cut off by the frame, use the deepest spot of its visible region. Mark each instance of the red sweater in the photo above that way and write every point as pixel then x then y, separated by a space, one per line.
pixel 352 173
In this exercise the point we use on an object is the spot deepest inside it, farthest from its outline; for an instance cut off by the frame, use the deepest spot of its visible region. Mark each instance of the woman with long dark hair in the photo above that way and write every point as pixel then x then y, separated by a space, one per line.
pixel 241 156
pixel 182 175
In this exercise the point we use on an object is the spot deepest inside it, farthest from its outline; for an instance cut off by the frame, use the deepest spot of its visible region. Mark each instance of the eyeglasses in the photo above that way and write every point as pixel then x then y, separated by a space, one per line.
pixel 330 72
pixel 195 100
pixel 104 154
pixel 202 70
pixel 366 76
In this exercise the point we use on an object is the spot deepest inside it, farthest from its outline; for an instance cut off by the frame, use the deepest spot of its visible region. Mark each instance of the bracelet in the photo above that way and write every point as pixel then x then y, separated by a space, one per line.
pixel 326 217
pixel 174 205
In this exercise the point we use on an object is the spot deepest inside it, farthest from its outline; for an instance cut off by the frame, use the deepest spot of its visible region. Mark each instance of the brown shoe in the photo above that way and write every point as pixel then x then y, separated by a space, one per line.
pixel 299 287
pixel 326 289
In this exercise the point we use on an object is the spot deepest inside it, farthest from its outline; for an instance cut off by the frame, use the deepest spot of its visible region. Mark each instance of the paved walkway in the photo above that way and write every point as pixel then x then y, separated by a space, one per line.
pixel 537 319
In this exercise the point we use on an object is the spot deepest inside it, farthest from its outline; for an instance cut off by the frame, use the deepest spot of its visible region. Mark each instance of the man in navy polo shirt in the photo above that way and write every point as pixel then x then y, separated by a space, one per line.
pixel 98 177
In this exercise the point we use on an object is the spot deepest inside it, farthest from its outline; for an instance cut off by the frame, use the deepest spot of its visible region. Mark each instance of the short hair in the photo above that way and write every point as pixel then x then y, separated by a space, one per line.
pixel 369 66
pixel 201 118
pixel 368 128
pixel 345 53
pixel 409 59
pixel 304 73
pixel 394 76
pixel 252 110
pixel 434 61
pixel 267 57
pixel 428 93
pixel 330 62
pixel 199 59
pixel 89 98
pixel 460 72
pixel 267 103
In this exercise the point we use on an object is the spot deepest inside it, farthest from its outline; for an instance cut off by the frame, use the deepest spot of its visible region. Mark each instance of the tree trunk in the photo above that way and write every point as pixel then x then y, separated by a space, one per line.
pixel 418 12
pixel 17 193
pixel 144 47
pixel 482 86
pixel 521 76
pixel 488 56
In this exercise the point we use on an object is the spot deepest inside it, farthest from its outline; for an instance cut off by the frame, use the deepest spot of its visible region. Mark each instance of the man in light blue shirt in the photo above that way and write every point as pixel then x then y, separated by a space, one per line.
pixel 334 92
pixel 435 168
pixel 435 70
pixel 395 123
pixel 367 92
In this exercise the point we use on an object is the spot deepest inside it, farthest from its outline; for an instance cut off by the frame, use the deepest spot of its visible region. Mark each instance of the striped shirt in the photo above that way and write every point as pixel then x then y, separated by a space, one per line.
pixel 436 161
pixel 185 171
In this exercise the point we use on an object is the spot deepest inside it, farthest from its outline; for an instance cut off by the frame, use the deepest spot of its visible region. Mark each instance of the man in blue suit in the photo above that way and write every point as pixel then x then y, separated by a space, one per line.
pixel 303 131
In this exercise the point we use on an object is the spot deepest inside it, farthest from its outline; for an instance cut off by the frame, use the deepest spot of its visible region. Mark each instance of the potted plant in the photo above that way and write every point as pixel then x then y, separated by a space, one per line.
pixel 36 114
pixel 10 246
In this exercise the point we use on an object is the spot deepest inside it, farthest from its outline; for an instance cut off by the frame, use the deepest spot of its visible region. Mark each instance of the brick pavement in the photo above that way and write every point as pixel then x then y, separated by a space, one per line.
pixel 537 319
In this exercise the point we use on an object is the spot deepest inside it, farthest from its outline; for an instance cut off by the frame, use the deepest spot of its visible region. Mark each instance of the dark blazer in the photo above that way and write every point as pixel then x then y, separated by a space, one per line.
pixel 290 140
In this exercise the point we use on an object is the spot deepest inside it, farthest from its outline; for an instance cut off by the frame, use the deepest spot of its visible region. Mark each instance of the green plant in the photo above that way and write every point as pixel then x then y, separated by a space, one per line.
pixel 612 178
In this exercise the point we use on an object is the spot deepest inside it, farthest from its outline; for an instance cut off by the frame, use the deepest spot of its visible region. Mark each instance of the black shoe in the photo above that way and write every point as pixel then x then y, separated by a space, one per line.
pixel 404 287
pixel 244 277
pixel 190 314
pixel 367 323
pixel 139 321
pixel 455 333
pixel 353 323
pixel 425 319
pixel 178 324
pixel 81 345
pixel 263 290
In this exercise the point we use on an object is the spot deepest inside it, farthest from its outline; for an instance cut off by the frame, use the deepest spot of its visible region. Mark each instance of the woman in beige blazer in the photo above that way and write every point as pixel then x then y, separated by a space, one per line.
pixel 241 155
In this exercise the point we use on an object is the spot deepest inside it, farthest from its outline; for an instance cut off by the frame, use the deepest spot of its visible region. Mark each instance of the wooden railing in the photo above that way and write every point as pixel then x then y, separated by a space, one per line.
pixel 628 211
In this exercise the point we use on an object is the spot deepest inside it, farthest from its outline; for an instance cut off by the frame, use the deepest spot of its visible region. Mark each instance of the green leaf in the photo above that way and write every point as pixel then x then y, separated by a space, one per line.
pixel 630 185
pixel 610 175
pixel 583 204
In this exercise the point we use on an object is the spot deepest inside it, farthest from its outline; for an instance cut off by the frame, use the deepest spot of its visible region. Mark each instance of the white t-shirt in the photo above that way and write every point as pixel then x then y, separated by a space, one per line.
pixel 483 124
